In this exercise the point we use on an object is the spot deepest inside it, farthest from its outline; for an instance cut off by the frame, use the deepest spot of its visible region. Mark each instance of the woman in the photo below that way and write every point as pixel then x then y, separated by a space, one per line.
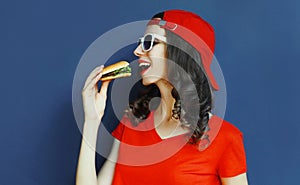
pixel 176 129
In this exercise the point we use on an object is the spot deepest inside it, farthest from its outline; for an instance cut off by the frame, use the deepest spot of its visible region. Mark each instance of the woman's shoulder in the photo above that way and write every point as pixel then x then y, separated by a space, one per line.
pixel 220 134
pixel 230 129
pixel 229 133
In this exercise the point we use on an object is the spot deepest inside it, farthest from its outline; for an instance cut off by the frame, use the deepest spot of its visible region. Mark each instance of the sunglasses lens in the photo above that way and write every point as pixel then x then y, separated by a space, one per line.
pixel 147 42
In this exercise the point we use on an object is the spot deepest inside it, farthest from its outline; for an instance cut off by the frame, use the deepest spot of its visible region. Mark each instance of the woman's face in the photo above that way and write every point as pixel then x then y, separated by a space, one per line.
pixel 153 62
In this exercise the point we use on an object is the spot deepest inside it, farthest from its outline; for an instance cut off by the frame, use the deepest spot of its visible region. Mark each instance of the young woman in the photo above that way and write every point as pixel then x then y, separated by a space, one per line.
pixel 164 145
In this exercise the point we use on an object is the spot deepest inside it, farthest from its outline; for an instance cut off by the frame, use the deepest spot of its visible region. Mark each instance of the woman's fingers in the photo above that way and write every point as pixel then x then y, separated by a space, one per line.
pixel 101 97
pixel 94 82
pixel 93 75
pixel 103 91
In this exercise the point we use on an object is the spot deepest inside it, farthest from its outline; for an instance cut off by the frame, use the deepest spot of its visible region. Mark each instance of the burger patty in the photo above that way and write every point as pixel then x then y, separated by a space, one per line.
pixel 126 69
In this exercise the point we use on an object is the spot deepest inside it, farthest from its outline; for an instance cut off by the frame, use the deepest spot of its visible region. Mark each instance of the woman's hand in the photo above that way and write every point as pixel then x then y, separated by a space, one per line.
pixel 94 102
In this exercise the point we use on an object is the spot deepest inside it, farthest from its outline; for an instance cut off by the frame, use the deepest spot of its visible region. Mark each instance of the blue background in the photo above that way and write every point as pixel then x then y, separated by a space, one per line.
pixel 41 42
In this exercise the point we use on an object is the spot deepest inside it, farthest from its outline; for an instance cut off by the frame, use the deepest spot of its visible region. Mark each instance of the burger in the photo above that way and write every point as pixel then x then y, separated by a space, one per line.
pixel 116 70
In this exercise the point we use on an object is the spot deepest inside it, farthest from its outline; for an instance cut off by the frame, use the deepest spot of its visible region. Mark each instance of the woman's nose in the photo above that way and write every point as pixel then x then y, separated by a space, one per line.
pixel 139 51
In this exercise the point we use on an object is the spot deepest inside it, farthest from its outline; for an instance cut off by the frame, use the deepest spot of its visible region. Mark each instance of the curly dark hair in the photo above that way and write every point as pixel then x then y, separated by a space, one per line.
pixel 191 90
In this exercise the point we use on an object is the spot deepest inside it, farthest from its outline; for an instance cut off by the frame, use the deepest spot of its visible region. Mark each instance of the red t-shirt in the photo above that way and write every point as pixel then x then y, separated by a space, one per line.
pixel 145 158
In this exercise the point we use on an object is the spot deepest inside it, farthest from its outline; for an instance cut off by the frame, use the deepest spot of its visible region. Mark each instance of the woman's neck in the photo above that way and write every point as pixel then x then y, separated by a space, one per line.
pixel 166 126
pixel 164 110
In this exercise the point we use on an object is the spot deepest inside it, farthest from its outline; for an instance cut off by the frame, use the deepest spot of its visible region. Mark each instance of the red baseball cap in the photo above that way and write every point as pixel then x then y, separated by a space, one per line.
pixel 196 31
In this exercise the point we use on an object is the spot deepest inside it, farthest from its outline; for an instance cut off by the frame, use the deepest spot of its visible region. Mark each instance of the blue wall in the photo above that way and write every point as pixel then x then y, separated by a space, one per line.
pixel 41 43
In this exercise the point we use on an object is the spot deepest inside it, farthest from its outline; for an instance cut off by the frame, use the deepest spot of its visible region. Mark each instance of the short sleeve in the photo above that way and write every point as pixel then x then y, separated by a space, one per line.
pixel 233 159
pixel 118 132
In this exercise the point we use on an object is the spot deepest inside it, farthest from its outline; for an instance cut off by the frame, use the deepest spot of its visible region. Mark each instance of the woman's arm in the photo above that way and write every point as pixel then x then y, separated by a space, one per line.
pixel 86 171
pixel 106 173
pixel 237 180
pixel 94 103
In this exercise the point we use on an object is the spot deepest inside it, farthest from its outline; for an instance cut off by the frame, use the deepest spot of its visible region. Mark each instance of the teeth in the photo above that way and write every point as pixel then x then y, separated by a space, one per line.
pixel 144 64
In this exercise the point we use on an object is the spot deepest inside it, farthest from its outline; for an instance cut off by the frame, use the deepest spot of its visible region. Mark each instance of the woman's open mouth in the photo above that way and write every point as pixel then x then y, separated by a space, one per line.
pixel 143 66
